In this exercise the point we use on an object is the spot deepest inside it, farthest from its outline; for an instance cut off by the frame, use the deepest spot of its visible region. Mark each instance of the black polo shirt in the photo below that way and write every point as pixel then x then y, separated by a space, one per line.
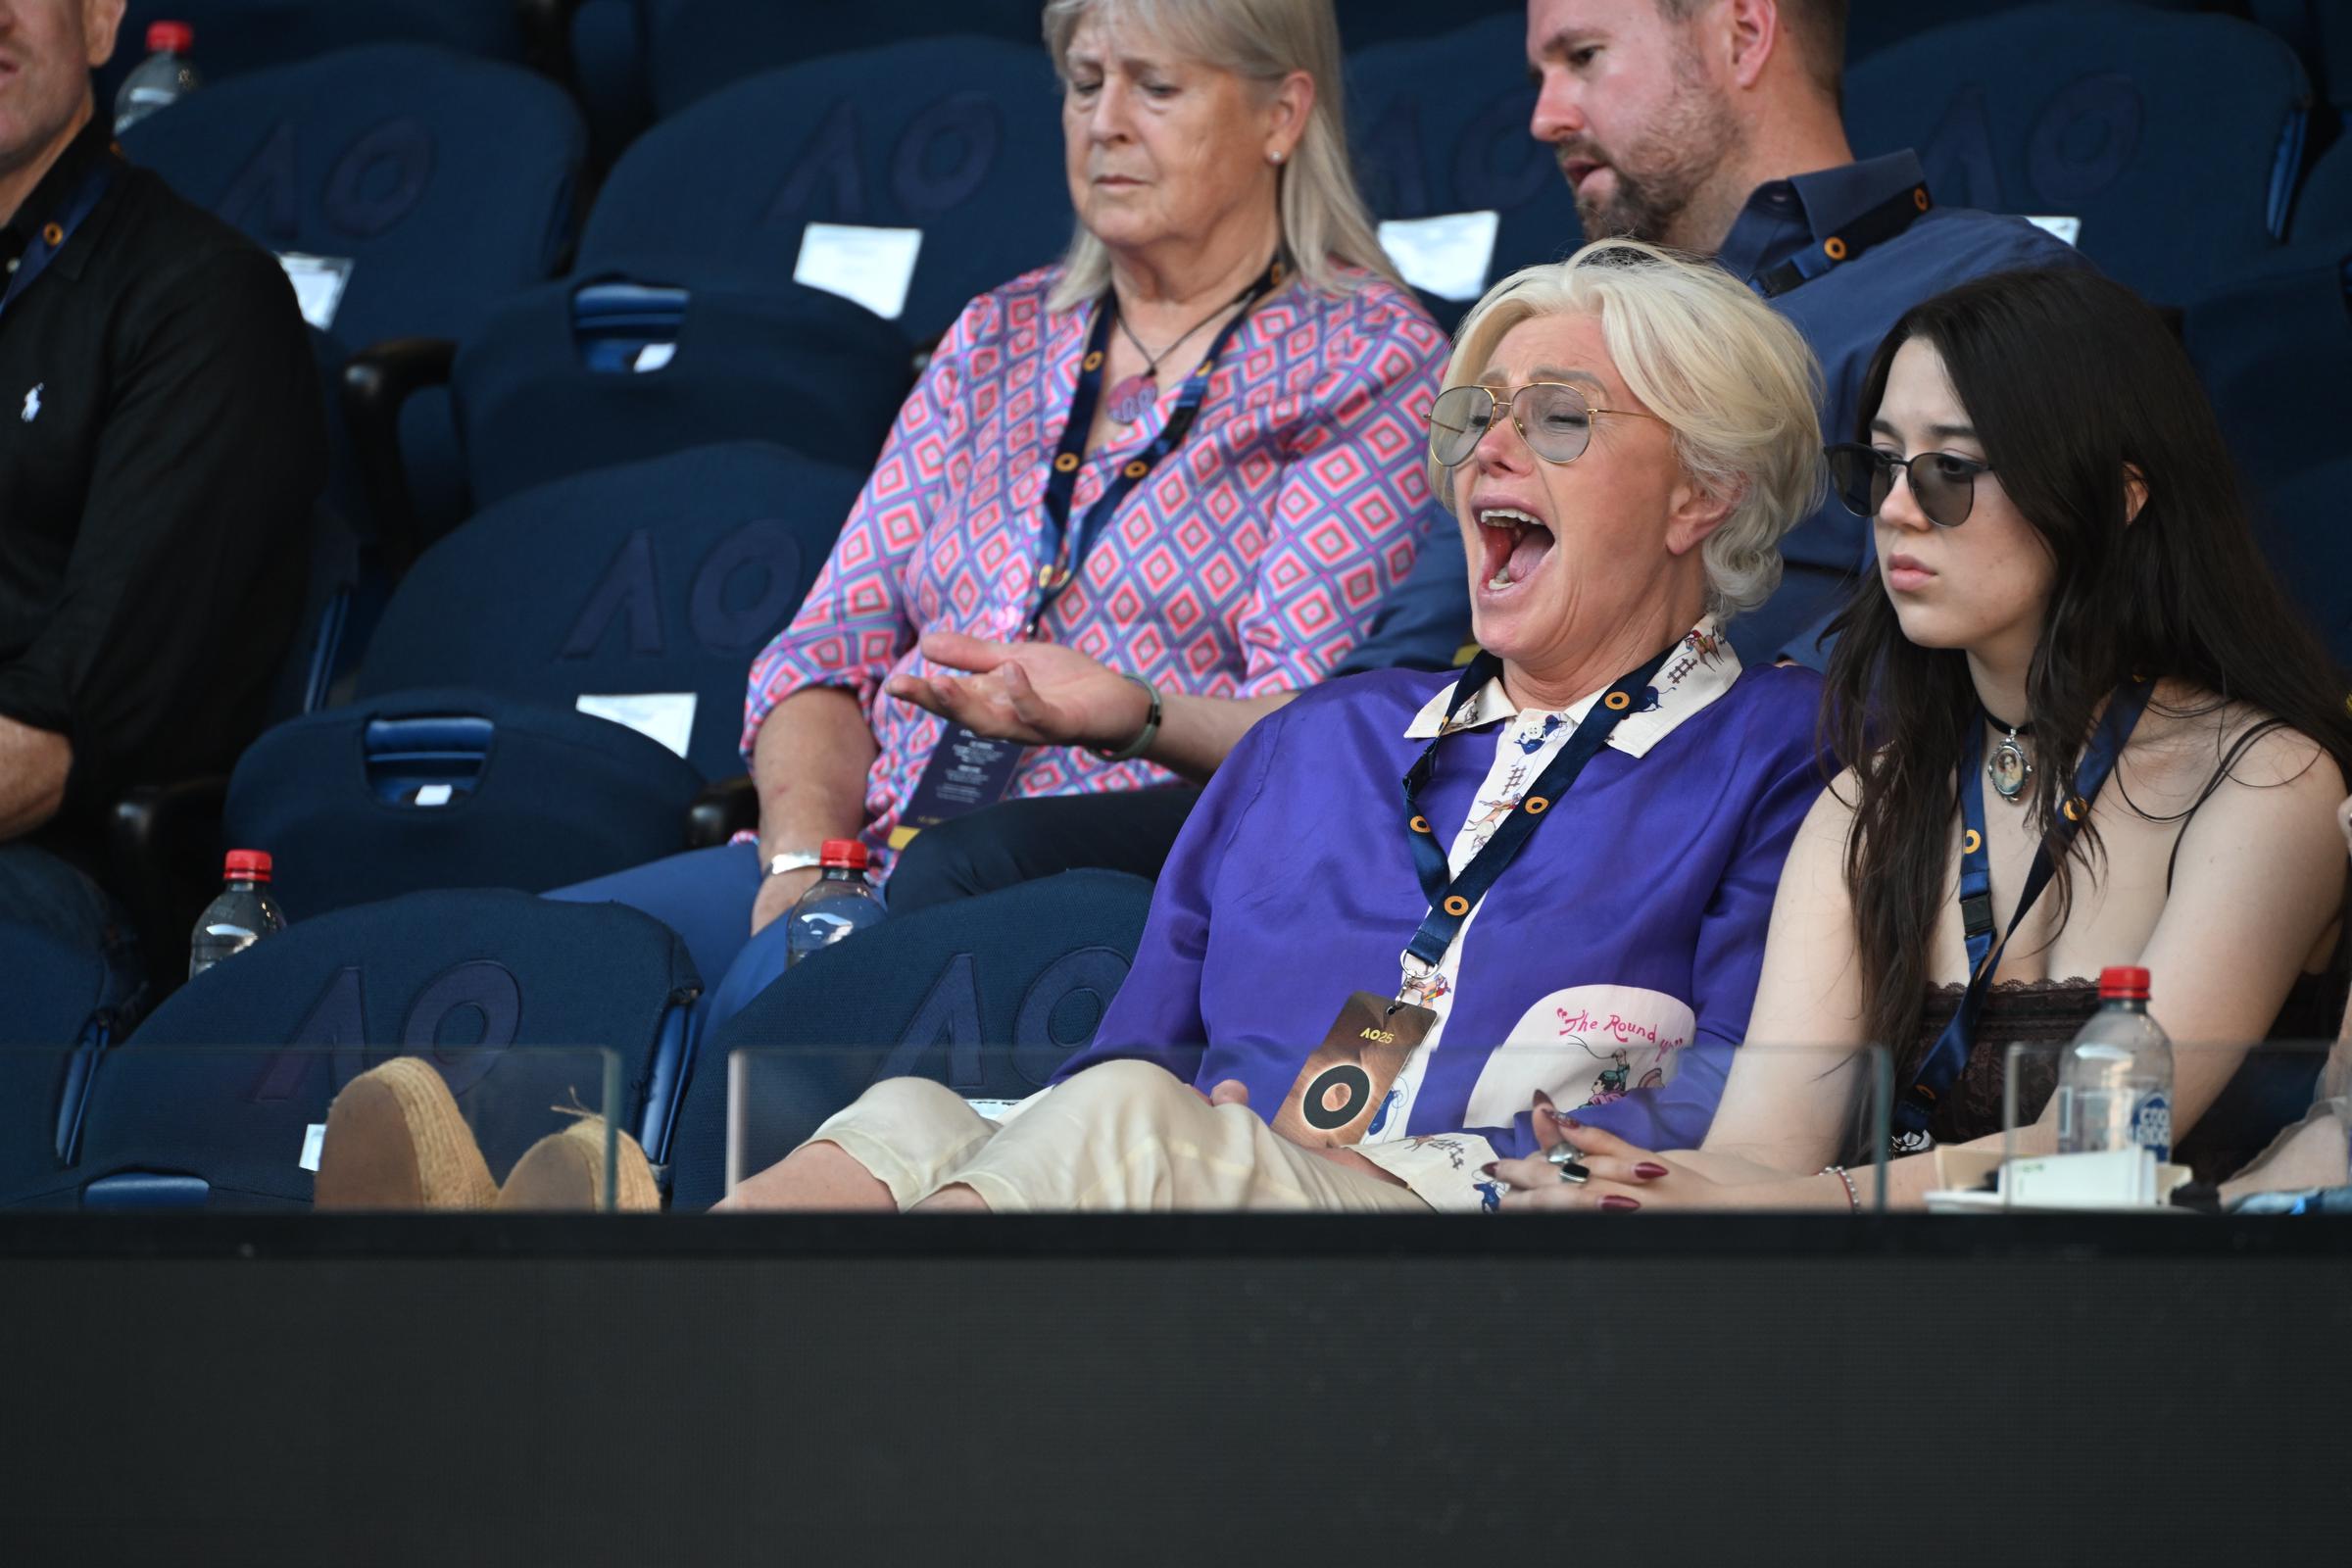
pixel 162 443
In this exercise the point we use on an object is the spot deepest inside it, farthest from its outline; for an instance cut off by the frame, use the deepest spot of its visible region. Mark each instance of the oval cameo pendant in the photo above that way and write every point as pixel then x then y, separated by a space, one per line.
pixel 2008 769
pixel 1132 398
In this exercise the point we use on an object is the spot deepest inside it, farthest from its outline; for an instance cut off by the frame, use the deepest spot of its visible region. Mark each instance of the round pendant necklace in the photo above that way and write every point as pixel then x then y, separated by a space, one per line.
pixel 1134 397
pixel 2008 767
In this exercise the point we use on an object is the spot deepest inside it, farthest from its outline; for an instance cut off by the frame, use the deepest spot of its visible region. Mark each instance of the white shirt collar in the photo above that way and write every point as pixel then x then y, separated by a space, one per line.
pixel 1700 670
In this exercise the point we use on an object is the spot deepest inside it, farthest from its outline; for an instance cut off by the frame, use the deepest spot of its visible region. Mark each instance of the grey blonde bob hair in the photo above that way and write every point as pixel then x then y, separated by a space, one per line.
pixel 1324 221
pixel 1736 383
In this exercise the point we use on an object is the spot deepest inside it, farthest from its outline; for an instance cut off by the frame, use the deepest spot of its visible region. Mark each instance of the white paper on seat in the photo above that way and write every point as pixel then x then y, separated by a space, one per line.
pixel 319 284
pixel 314 1139
pixel 2069 229
pixel 1448 256
pixel 871 266
pixel 664 716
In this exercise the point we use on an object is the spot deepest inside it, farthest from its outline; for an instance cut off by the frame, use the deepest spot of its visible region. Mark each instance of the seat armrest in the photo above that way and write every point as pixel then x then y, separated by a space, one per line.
pixel 377 382
pixel 164 847
pixel 723 810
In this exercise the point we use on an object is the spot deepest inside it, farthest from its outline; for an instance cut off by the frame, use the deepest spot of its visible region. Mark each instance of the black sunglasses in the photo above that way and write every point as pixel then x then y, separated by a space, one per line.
pixel 1944 483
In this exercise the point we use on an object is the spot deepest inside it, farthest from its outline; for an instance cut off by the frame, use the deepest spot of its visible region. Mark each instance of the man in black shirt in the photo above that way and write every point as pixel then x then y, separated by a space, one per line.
pixel 162 443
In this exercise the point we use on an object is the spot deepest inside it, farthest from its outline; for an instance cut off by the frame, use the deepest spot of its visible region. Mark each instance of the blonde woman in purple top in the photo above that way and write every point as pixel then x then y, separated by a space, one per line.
pixel 1580 871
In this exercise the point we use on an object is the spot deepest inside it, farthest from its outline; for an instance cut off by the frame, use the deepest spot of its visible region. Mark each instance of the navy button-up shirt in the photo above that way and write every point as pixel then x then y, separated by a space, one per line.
pixel 1843 314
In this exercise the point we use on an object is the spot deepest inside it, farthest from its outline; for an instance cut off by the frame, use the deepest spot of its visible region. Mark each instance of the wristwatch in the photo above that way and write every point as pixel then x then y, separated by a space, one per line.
pixel 1150 731
pixel 794 861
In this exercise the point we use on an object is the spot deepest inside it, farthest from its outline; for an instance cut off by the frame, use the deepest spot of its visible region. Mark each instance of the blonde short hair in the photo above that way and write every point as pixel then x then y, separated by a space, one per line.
pixel 1736 383
pixel 1325 224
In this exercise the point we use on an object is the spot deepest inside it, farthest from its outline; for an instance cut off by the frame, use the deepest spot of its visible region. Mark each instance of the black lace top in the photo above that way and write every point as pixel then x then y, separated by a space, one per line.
pixel 2044 1015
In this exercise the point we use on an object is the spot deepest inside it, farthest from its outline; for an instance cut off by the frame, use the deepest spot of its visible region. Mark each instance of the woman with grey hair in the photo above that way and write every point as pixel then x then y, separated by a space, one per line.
pixel 1151 491
pixel 1623 439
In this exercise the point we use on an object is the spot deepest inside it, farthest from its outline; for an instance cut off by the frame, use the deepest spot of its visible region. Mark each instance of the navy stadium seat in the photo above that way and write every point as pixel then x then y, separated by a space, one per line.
pixel 957 137
pixel 1364 23
pixel 574 376
pixel 236 38
pixel 663 576
pixel 2320 33
pixel 2275 351
pixel 1870 27
pixel 2078 110
pixel 989 996
pixel 696 47
pixel 452 789
pixel 2323 207
pixel 2306 521
pixel 60 1006
pixel 446 182
pixel 195 1109
pixel 1441 127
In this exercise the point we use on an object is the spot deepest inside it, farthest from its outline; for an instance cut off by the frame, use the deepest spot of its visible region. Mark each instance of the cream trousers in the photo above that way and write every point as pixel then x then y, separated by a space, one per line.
pixel 1126 1135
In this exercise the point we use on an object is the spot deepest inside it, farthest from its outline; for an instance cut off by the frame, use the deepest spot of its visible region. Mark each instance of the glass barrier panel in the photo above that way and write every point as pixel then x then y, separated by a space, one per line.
pixel 289 1128
pixel 2225 1123
pixel 1430 1120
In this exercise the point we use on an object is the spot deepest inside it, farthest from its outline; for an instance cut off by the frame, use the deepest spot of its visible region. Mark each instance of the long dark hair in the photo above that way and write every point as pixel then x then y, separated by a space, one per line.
pixel 2068 380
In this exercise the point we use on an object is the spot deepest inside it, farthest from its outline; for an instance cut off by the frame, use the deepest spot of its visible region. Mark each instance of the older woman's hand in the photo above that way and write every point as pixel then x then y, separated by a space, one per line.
pixel 1623 1177
pixel 1041 693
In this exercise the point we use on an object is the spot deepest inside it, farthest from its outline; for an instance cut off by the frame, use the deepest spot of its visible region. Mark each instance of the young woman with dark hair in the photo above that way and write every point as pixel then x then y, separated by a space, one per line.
pixel 2067 584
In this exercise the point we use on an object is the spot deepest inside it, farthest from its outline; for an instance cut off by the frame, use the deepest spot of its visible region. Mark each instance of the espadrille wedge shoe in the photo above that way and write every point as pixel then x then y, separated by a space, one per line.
pixel 395 1138
pixel 565 1171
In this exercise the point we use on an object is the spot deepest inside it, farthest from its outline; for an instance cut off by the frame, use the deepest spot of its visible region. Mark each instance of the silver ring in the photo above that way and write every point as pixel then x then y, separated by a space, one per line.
pixel 1568 1161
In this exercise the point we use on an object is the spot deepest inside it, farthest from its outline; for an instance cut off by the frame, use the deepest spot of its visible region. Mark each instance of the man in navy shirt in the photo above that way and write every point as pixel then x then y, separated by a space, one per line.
pixel 1713 126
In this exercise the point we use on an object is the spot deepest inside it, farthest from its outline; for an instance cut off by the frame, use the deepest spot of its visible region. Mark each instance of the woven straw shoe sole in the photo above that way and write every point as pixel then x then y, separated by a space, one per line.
pixel 565 1171
pixel 395 1138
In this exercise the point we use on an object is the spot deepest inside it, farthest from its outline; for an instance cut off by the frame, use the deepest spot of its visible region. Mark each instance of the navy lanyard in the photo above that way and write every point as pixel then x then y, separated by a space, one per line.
pixel 1876 227
pixel 59 229
pixel 1917 1103
pixel 1452 898
pixel 1064 554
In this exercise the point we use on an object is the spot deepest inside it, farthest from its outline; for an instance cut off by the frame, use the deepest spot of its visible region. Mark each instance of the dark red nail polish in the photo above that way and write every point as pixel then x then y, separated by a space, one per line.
pixel 1650 1170
pixel 1488 1169
pixel 1618 1201
pixel 1543 1100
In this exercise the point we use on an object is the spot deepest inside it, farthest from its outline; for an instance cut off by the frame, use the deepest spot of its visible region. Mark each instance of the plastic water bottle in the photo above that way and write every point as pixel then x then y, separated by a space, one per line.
pixel 2115 1082
pixel 161 80
pixel 840 904
pixel 240 916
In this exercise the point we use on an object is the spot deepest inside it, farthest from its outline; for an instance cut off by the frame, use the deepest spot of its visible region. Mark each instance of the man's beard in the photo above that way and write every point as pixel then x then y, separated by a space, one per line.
pixel 1668 170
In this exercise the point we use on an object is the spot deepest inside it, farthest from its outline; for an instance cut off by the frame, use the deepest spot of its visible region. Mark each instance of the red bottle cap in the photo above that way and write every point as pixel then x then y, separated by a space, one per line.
pixel 248 866
pixel 169 37
pixel 2123 983
pixel 847 853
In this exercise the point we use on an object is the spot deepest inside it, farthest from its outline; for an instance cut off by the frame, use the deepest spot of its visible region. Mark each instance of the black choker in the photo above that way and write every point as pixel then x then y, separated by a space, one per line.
pixel 2008 767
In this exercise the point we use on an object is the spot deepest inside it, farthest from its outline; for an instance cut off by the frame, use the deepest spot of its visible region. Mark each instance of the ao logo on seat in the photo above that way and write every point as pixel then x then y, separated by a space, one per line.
pixel 460 1019
pixel 938 162
pixel 1057 1016
pixel 1492 164
pixel 2079 143
pixel 740 596
pixel 374 183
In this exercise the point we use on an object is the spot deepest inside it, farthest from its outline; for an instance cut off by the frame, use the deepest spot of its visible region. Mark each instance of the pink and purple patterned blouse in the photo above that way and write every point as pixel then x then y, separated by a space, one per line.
pixel 1249 562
